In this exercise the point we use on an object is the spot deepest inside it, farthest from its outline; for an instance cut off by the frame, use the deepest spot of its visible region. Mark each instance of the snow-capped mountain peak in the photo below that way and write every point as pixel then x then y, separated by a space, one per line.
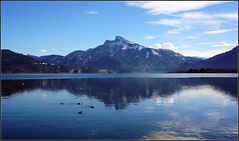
pixel 123 43
pixel 122 40
pixel 119 38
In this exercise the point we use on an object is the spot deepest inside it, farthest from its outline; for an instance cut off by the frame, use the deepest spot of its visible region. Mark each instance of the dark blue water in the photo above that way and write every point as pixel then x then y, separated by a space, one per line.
pixel 124 108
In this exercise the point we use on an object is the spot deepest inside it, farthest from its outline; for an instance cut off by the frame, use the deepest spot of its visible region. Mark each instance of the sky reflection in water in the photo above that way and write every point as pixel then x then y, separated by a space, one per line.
pixel 165 108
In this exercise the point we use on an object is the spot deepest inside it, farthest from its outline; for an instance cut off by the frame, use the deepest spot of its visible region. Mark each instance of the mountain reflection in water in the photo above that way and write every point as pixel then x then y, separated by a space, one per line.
pixel 119 92
pixel 123 108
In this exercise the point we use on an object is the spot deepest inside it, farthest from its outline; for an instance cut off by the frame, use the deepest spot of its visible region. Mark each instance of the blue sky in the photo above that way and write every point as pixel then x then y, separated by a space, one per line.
pixel 191 28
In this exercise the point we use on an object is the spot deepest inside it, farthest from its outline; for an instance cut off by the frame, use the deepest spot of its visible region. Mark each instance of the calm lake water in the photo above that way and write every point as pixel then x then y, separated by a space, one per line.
pixel 136 106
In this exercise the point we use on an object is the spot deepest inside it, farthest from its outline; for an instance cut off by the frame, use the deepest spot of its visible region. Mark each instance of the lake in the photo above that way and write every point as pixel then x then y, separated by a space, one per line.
pixel 119 106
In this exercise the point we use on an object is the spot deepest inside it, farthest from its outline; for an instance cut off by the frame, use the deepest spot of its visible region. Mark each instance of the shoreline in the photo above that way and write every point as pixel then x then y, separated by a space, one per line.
pixel 23 76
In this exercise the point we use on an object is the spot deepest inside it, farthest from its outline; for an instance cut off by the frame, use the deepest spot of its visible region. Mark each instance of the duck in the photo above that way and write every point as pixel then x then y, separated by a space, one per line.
pixel 92 107
pixel 61 103
pixel 79 103
pixel 80 112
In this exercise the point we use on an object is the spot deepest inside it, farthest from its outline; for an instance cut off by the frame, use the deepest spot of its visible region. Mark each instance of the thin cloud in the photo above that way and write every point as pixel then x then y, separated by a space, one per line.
pixel 157 46
pixel 232 16
pixel 91 12
pixel 167 45
pixel 203 53
pixel 168 22
pixel 189 20
pixel 187 50
pixel 212 18
pixel 205 43
pixel 179 30
pixel 195 15
pixel 191 37
pixel 149 37
pixel 174 31
pixel 224 44
pixel 180 22
pixel 201 15
pixel 221 44
pixel 44 50
pixel 218 31
pixel 215 48
pixel 183 24
pixel 171 7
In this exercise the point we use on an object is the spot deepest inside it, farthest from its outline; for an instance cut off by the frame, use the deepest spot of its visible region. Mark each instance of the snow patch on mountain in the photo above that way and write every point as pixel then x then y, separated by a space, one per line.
pixel 147 55
pixel 132 46
pixel 154 52
pixel 125 47
pixel 122 43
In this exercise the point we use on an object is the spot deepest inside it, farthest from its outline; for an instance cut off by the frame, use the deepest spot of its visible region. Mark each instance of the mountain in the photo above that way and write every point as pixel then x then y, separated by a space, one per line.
pixel 118 55
pixel 227 60
pixel 18 63
pixel 123 55
pixel 52 59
